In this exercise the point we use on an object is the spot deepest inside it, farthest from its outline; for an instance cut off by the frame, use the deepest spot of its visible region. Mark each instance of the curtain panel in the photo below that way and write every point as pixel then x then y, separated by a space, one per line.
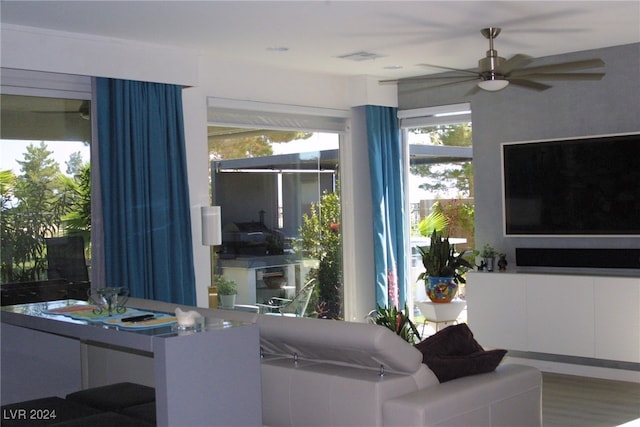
pixel 145 193
pixel 386 170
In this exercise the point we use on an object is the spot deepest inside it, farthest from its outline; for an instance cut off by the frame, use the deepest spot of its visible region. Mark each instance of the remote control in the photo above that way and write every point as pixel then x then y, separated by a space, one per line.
pixel 140 318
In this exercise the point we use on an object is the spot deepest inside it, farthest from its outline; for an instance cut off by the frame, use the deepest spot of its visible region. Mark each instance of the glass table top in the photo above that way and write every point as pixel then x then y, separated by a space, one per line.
pixel 82 313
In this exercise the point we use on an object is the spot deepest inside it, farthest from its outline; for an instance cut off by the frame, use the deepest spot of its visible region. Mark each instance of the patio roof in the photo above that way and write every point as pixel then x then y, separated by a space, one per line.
pixel 327 160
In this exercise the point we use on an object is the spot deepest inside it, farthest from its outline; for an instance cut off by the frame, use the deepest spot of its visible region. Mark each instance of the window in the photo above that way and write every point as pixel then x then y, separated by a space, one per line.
pixel 275 175
pixel 45 173
pixel 440 179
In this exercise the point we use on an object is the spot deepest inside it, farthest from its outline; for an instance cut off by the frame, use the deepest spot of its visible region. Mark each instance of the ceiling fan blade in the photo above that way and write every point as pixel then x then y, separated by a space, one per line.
pixel 83 110
pixel 529 84
pixel 565 76
pixel 566 66
pixel 406 91
pixel 533 18
pixel 433 77
pixel 475 89
pixel 516 61
pixel 548 30
pixel 450 69
pixel 54 112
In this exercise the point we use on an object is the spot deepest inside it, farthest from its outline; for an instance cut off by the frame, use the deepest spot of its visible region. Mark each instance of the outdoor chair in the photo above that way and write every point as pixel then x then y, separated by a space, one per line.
pixel 296 307
pixel 65 257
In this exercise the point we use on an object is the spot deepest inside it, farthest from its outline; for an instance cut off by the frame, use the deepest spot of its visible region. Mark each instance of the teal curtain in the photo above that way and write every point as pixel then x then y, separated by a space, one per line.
pixel 145 193
pixel 386 169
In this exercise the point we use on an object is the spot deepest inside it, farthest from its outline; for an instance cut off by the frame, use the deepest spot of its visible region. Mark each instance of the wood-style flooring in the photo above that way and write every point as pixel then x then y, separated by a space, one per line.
pixel 569 401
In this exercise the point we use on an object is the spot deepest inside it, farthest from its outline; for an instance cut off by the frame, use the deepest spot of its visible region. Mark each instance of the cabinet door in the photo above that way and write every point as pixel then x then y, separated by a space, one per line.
pixel 560 315
pixel 617 307
pixel 496 309
pixel 37 364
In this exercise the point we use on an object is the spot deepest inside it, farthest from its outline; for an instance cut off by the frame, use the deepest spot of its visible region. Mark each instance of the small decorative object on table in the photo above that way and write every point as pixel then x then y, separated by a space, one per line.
pixel 110 300
pixel 187 320
pixel 502 262
pixel 443 269
pixel 488 255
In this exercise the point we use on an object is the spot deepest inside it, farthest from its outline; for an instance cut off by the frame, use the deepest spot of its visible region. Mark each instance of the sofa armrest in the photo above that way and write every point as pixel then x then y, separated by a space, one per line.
pixel 511 395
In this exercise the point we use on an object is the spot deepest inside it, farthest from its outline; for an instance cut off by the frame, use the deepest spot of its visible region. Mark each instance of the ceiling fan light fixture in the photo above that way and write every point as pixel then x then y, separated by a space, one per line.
pixel 493 85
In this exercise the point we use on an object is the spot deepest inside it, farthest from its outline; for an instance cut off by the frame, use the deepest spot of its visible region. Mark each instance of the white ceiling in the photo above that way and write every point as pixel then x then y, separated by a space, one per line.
pixel 404 33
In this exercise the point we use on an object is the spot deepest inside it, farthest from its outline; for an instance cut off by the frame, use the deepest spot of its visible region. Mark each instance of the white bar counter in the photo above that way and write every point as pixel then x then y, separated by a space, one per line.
pixel 205 378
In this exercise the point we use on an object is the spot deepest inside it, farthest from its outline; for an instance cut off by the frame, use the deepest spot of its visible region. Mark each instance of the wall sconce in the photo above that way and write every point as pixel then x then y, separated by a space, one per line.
pixel 211 225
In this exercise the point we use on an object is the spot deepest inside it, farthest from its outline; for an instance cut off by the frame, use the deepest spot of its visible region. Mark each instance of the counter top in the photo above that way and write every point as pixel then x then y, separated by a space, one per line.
pixel 38 316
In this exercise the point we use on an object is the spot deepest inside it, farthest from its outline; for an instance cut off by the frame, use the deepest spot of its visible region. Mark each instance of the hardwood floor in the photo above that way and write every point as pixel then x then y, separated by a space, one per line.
pixel 588 402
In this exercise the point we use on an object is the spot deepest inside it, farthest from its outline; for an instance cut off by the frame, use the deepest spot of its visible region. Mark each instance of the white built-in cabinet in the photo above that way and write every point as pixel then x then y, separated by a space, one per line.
pixel 574 315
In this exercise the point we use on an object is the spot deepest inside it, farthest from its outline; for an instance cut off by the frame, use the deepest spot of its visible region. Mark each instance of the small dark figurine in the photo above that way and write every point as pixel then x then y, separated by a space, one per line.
pixel 502 262
pixel 482 266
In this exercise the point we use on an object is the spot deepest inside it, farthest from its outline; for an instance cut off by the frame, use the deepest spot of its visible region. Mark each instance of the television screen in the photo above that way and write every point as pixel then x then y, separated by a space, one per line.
pixel 586 186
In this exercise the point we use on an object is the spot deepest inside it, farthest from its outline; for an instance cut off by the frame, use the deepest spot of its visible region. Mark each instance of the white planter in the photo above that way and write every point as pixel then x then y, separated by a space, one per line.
pixel 227 301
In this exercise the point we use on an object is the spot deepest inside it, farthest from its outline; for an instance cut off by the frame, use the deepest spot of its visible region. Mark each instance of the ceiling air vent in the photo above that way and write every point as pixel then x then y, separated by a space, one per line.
pixel 360 56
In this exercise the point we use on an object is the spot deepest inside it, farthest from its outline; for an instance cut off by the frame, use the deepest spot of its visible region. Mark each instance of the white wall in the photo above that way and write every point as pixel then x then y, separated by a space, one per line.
pixel 30 48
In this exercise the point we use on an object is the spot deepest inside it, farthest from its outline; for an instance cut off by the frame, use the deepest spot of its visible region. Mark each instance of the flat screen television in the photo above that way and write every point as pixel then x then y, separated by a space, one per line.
pixel 583 186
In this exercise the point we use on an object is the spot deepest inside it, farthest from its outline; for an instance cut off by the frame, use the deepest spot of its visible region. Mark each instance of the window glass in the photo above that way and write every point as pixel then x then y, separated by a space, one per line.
pixel 279 195
pixel 45 182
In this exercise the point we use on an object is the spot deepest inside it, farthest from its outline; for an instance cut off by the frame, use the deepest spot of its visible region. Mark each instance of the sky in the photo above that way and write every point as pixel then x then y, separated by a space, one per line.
pixel 12 150
pixel 317 142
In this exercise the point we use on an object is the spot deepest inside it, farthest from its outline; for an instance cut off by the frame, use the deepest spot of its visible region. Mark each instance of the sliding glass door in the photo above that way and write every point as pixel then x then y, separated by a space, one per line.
pixel 45 182
pixel 440 182
pixel 279 193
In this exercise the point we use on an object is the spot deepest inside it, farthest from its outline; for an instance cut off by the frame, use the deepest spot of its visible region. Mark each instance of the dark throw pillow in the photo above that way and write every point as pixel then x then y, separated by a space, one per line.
pixel 453 353
pixel 453 340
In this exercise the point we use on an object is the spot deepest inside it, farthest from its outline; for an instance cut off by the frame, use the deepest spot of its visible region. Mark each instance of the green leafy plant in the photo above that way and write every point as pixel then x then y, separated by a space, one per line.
pixel 435 221
pixel 488 251
pixel 396 320
pixel 225 287
pixel 320 238
pixel 440 260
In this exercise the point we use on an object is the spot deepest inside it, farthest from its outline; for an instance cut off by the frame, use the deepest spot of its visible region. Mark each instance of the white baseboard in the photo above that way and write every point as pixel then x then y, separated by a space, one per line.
pixel 576 369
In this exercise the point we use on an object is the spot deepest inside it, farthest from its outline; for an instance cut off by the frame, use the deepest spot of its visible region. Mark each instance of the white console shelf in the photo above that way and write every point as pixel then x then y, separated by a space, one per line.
pixel 596 317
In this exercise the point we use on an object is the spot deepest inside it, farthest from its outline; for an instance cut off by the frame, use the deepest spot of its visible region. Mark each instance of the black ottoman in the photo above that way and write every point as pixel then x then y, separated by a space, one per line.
pixel 105 419
pixel 44 412
pixel 145 412
pixel 114 397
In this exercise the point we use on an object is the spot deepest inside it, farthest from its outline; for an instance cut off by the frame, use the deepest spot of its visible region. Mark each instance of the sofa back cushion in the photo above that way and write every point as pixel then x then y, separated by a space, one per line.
pixel 360 345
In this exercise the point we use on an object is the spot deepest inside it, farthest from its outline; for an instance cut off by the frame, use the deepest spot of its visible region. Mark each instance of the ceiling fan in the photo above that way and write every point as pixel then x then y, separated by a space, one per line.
pixel 83 110
pixel 495 73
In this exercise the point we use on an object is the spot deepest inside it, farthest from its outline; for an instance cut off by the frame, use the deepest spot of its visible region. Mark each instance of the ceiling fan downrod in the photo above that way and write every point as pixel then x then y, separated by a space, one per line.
pixel 492 61
pixel 491 79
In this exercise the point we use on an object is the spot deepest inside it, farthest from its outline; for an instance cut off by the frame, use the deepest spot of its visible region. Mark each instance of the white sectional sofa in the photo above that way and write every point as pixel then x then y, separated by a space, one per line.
pixel 336 374
pixel 329 373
